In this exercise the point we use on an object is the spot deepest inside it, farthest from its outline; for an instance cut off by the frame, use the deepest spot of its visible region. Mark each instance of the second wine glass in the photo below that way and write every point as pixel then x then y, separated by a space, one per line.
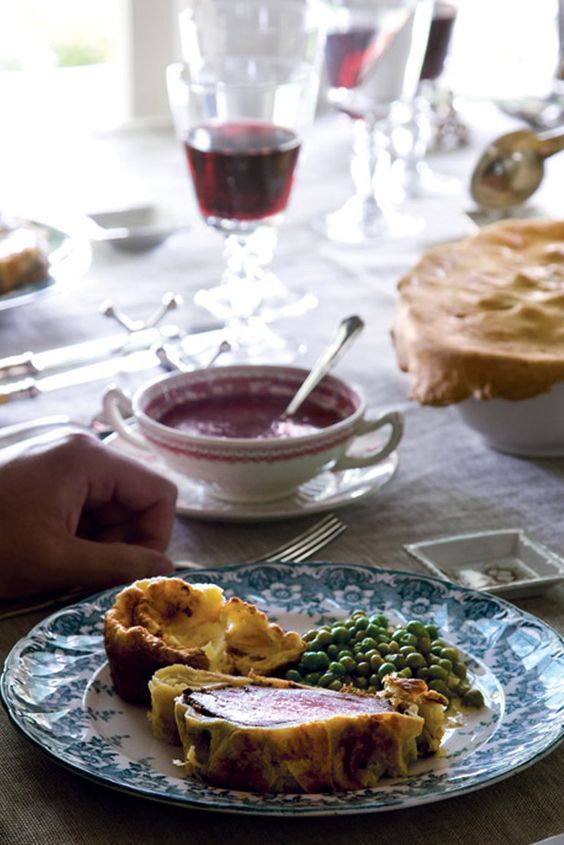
pixel 373 57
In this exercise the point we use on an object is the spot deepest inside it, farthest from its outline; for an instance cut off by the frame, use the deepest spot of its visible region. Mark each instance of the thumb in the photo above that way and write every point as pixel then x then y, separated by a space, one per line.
pixel 106 564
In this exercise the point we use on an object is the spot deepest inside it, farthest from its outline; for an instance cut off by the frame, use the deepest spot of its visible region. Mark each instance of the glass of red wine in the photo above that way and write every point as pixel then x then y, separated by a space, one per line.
pixel 373 57
pixel 242 102
pixel 431 120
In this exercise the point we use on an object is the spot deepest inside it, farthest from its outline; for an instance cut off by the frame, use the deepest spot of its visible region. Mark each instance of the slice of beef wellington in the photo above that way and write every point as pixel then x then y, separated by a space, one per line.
pixel 269 735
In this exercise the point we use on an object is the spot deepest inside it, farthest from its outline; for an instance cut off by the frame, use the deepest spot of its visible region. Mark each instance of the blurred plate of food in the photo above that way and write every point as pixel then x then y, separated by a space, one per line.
pixel 37 258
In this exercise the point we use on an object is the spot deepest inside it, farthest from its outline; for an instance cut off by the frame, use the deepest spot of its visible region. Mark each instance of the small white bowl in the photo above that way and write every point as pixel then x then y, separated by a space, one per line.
pixel 252 469
pixel 532 428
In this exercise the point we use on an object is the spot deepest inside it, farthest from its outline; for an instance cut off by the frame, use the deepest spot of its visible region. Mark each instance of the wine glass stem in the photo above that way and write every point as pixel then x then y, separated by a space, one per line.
pixel 370 167
pixel 245 257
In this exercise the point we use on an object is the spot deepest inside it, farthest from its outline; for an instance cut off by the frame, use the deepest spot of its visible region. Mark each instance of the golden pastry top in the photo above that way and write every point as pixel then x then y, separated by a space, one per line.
pixel 484 317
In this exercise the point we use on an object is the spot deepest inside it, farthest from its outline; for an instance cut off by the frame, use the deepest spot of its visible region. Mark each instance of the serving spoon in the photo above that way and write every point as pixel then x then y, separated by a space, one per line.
pixel 512 167
pixel 348 330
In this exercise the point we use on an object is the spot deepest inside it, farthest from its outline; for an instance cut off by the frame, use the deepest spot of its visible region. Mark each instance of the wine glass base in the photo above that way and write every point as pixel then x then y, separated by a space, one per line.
pixel 356 223
pixel 422 182
pixel 253 342
pixel 271 301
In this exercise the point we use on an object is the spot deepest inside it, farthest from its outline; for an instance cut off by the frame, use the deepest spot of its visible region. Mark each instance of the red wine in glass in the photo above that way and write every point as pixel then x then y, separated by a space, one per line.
pixel 439 41
pixel 242 170
pixel 347 54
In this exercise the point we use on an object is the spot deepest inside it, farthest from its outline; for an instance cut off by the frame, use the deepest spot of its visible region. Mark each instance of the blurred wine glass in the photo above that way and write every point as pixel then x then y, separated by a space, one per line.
pixel 373 58
pixel 431 120
pixel 242 102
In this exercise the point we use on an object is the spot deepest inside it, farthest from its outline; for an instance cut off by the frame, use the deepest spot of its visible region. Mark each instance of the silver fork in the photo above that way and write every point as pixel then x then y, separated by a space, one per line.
pixel 299 548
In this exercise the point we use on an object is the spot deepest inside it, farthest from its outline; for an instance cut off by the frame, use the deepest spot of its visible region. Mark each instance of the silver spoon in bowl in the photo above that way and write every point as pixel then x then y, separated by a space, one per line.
pixel 512 167
pixel 348 330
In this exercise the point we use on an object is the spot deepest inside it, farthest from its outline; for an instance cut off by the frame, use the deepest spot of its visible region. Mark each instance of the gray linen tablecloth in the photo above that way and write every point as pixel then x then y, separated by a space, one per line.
pixel 447 481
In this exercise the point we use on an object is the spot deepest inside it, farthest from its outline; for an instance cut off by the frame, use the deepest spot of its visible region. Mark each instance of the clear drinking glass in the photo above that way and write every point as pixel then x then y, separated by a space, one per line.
pixel 373 58
pixel 242 102
pixel 430 120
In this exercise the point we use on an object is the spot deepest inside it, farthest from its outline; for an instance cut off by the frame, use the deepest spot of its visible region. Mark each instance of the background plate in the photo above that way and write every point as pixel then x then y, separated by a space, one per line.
pixel 69 258
pixel 57 690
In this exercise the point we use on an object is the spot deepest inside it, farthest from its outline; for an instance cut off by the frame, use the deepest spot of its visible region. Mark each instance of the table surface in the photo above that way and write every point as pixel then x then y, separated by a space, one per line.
pixel 447 483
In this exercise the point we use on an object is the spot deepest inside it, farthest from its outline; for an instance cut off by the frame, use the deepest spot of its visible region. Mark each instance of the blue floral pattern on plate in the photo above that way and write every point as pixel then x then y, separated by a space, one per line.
pixel 57 688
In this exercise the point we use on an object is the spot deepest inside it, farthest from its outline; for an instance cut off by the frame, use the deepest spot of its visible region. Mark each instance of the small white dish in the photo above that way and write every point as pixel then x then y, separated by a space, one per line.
pixel 507 562
pixel 327 491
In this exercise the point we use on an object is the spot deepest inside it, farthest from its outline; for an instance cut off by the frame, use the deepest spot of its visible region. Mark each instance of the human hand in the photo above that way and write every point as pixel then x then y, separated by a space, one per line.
pixel 76 513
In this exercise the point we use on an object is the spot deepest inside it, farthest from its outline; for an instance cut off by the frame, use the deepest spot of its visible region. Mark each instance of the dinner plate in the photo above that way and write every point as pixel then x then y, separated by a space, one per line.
pixel 327 491
pixel 69 258
pixel 57 688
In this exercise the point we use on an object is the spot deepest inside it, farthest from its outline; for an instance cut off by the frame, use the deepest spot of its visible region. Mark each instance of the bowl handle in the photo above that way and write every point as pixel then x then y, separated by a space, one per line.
pixel 114 402
pixel 395 420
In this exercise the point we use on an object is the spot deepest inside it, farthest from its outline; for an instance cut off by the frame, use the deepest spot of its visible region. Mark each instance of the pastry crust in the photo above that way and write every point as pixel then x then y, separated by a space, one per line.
pixel 484 317
pixel 161 621
pixel 270 735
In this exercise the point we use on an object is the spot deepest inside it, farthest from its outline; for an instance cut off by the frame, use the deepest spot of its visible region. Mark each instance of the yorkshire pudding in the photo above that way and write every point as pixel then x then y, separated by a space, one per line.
pixel 161 621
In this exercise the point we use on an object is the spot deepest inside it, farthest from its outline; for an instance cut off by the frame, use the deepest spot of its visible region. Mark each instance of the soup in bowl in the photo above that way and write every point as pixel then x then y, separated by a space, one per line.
pixel 225 427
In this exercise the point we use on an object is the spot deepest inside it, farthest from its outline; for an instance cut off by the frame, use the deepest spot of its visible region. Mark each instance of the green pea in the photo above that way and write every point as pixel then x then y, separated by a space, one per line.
pixel 372 630
pixel 348 663
pixel 385 669
pixel 398 660
pixel 423 673
pixel 325 638
pixel 309 635
pixel 394 646
pixel 406 649
pixel 439 686
pixel 438 672
pixel 358 635
pixel 371 688
pixel 356 613
pixel 450 653
pixel 312 678
pixel 405 673
pixel 408 639
pixel 347 680
pixel 344 652
pixel 333 651
pixel 368 643
pixel 335 685
pixel 415 661
pixel 380 620
pixel 383 648
pixel 368 655
pixel 363 668
pixel 337 668
pixel 383 637
pixel 341 634
pixel 436 650
pixel 375 662
pixel 473 698
pixel 313 661
pixel 424 645
pixel 326 679
pixel 373 680
pixel 294 675
pixel 361 623
pixel 416 628
pixel 445 664
pixel 398 633
pixel 432 631
pixel 460 670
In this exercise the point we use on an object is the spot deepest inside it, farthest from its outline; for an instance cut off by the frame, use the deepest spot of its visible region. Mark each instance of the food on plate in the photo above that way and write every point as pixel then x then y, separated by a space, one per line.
pixel 166 685
pixel 22 256
pixel 363 649
pixel 160 621
pixel 484 317
pixel 270 735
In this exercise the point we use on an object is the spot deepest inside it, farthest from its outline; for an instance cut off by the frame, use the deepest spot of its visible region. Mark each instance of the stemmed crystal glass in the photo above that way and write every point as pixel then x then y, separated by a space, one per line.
pixel 430 119
pixel 242 102
pixel 373 57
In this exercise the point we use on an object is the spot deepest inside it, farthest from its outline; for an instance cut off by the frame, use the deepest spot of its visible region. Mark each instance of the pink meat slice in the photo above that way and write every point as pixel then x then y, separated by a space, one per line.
pixel 262 706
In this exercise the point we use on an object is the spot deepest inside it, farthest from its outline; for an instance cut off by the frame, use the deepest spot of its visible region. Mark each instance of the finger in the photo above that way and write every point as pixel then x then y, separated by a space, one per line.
pixel 115 523
pixel 105 564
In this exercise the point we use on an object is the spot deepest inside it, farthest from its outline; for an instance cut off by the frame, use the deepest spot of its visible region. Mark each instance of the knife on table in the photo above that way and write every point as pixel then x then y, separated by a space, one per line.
pixel 136 361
